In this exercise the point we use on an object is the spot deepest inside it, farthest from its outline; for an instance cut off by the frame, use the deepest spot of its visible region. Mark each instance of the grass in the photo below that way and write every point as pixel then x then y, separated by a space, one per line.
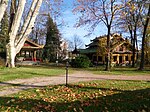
pixel 94 96
pixel 119 71
pixel 28 72
pixel 39 71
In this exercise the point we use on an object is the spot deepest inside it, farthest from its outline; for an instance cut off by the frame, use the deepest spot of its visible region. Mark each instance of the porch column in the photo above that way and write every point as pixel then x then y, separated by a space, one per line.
pixel 25 54
pixel 130 58
pixel 117 59
pixel 97 59
pixel 123 58
pixel 29 54
pixel 34 56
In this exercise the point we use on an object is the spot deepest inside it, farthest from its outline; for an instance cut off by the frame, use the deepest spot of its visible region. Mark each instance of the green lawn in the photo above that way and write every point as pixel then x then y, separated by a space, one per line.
pixel 119 71
pixel 29 72
pixel 39 71
pixel 94 96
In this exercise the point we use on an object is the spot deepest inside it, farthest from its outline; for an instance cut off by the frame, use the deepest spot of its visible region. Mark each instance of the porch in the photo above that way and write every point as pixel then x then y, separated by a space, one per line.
pixel 30 54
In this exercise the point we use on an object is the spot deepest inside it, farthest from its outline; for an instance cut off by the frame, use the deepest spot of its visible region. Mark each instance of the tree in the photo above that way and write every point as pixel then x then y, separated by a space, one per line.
pixel 3 6
pixel 81 62
pixel 4 32
pixel 145 26
pixel 147 48
pixel 52 46
pixel 17 37
pixel 130 20
pixel 20 29
pixel 17 41
pixel 75 42
pixel 95 11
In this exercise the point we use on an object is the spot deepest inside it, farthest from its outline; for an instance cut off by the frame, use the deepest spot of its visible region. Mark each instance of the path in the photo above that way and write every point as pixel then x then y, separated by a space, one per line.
pixel 22 84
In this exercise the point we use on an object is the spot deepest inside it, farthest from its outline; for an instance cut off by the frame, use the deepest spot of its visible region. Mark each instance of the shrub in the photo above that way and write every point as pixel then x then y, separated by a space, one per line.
pixel 80 62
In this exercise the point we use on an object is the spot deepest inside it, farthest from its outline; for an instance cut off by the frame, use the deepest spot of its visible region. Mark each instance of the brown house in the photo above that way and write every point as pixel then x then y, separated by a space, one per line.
pixel 120 48
pixel 31 51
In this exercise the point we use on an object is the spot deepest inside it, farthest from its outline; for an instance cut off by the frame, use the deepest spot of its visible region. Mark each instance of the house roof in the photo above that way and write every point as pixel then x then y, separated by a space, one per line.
pixel 30 45
pixel 115 41
pixel 87 51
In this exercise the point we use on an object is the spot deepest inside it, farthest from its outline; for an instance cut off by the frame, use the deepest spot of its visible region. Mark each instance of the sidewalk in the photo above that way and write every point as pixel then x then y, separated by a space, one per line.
pixel 23 84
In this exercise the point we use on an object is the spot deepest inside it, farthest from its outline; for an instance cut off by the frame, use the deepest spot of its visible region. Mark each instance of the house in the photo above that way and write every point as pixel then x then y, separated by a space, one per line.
pixel 31 51
pixel 63 53
pixel 120 50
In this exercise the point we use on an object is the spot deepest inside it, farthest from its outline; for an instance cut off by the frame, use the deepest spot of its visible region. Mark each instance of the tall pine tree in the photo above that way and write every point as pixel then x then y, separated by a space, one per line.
pixel 52 46
pixel 4 32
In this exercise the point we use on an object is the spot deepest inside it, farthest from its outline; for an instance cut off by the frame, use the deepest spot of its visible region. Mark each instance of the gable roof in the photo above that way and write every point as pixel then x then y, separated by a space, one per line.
pixel 31 45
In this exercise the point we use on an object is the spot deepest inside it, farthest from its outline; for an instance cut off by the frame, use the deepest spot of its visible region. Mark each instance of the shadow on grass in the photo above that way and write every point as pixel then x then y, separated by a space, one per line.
pixel 44 65
pixel 93 88
pixel 20 85
pixel 127 101
pixel 118 68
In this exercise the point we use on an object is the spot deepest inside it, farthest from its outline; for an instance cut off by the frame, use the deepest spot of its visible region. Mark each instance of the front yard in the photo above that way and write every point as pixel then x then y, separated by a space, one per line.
pixel 29 72
pixel 93 96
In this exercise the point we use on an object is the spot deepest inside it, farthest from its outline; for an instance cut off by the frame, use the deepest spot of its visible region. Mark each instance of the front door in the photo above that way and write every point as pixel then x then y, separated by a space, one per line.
pixel 120 59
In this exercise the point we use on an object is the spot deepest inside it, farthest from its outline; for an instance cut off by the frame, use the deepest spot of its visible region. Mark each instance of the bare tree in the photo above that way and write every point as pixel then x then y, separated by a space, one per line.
pixel 21 24
pixel 130 22
pixel 145 26
pixel 75 42
pixel 94 12
pixel 17 39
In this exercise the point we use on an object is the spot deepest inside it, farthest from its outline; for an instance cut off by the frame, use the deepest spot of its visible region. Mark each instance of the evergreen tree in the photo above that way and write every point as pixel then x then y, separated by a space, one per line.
pixel 4 32
pixel 52 46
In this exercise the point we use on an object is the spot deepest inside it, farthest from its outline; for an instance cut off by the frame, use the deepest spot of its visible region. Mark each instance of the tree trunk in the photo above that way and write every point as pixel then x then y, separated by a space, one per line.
pixel 10 54
pixel 133 48
pixel 108 50
pixel 3 6
pixel 11 50
pixel 16 43
pixel 143 40
pixel 137 54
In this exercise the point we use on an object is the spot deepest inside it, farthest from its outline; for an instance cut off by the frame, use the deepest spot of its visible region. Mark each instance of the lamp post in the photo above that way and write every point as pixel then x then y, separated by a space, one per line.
pixel 67 64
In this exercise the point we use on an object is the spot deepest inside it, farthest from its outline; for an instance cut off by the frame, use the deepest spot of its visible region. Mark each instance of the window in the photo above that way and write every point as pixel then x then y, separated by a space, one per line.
pixel 99 58
pixel 127 59
pixel 94 58
pixel 121 49
pixel 131 57
pixel 115 58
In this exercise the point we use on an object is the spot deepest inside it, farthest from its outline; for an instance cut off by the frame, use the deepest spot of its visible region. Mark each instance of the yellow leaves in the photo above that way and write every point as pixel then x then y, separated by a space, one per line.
pixel 99 95
pixel 133 7
pixel 12 100
pixel 86 103
pixel 81 85
pixel 75 110
pixel 45 99
pixel 67 89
